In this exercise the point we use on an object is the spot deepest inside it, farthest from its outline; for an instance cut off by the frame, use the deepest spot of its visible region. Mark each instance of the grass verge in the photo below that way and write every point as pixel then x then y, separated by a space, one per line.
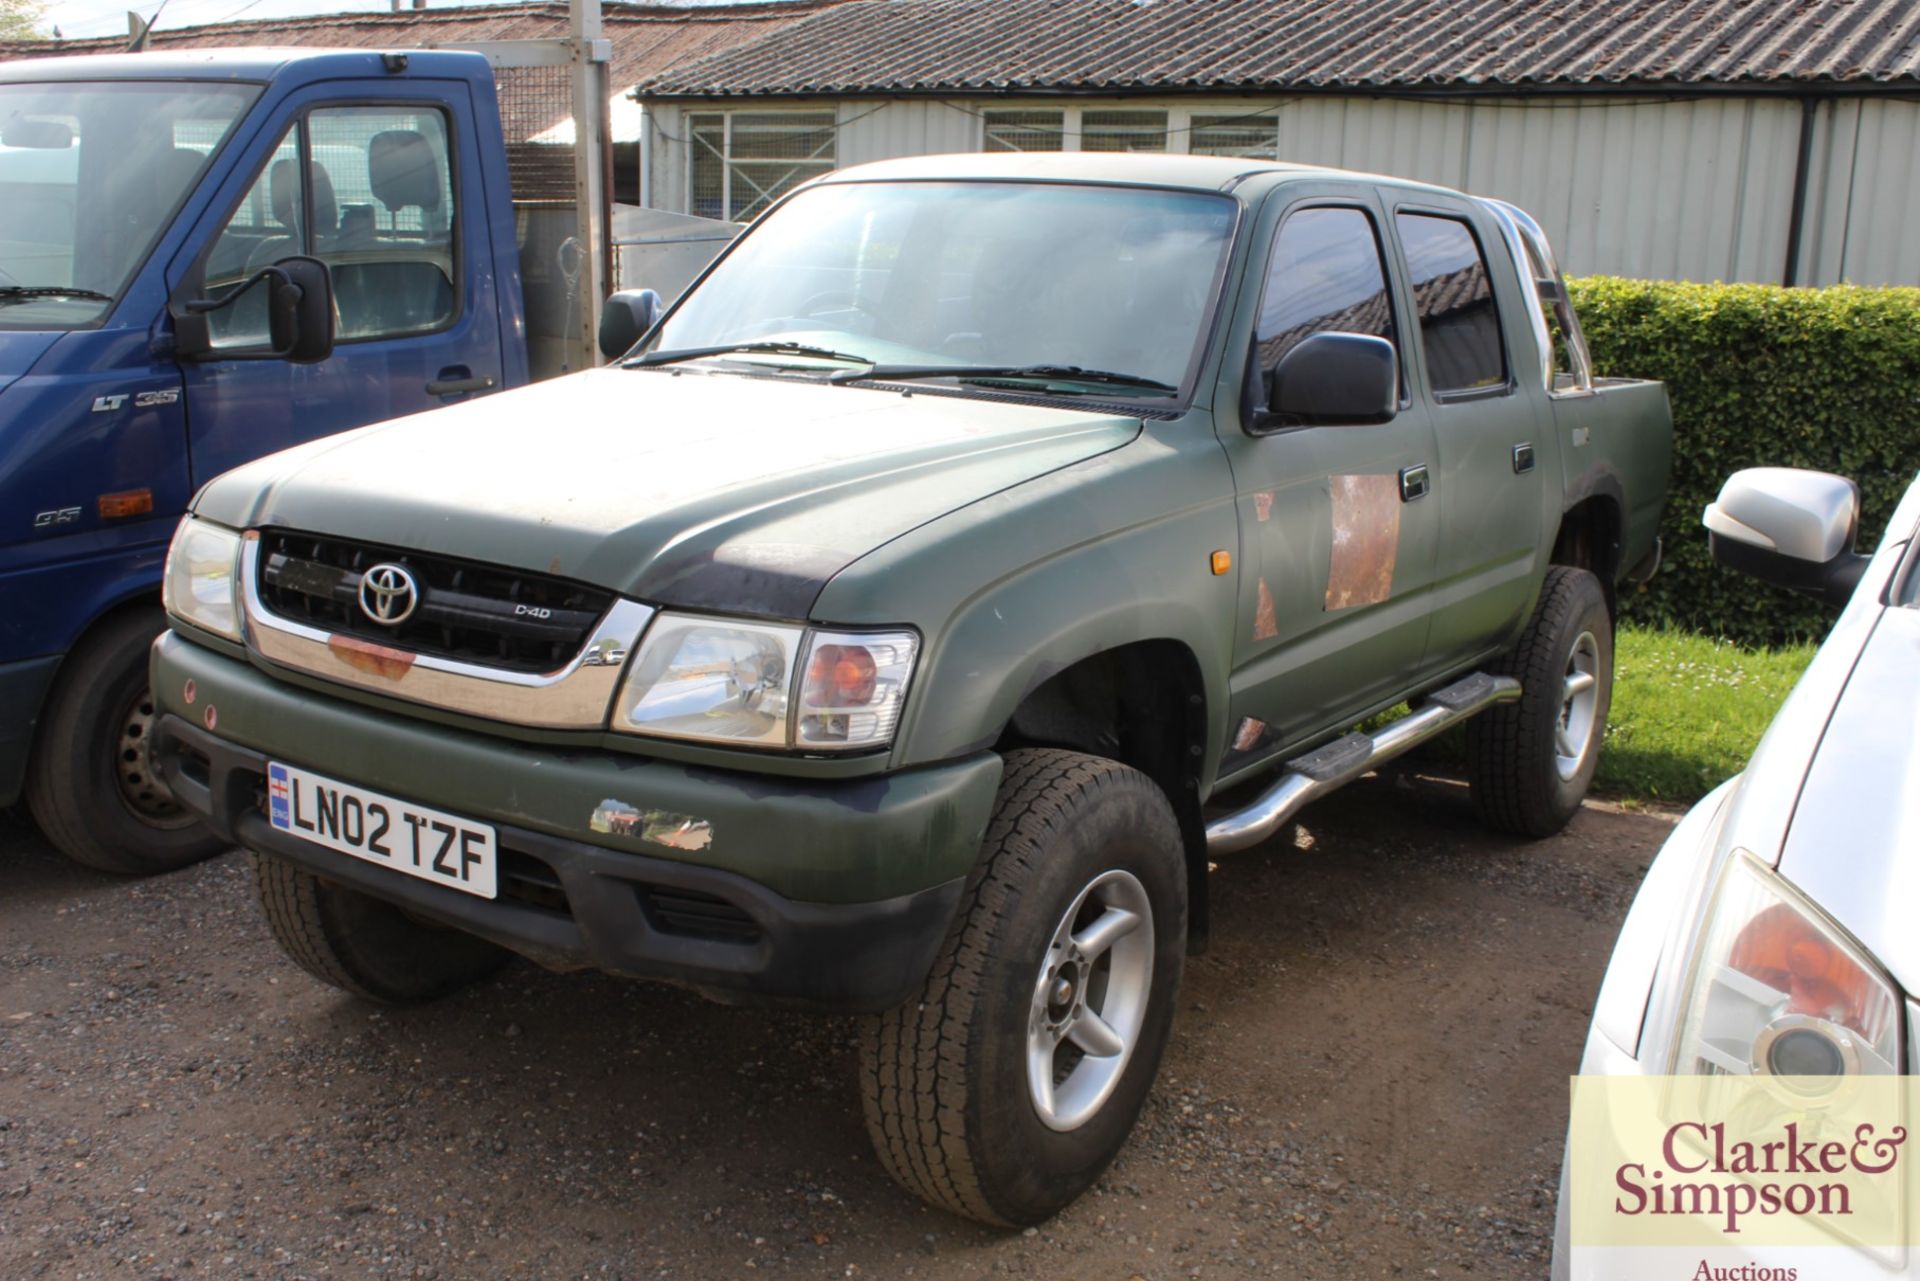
pixel 1688 711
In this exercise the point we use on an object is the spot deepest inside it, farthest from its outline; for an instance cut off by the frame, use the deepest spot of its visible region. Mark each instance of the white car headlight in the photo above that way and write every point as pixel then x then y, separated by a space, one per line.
pixel 203 567
pixel 722 680
pixel 1780 990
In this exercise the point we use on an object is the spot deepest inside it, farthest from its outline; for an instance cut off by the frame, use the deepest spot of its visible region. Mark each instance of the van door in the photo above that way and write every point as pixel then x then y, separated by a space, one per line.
pixel 1337 534
pixel 384 188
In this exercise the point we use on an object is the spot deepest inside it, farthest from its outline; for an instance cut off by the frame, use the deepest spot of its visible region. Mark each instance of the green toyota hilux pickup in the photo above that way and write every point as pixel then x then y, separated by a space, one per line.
pixel 979 548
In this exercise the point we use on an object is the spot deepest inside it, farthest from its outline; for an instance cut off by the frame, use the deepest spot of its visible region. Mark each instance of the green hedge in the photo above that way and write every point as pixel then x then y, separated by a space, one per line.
pixel 1761 375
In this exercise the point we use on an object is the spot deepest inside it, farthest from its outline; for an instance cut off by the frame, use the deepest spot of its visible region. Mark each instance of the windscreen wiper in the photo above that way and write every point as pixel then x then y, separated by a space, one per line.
pixel 988 373
pixel 744 348
pixel 20 293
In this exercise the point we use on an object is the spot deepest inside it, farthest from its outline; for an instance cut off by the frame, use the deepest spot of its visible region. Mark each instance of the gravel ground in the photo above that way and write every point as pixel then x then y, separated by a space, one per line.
pixel 1367 1080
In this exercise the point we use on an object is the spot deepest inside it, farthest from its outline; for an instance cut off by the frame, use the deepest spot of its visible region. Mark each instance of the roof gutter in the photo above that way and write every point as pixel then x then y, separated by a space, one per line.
pixel 1646 90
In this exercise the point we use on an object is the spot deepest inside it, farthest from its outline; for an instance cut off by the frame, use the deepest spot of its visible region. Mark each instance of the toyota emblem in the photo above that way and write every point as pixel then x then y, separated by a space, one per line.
pixel 388 594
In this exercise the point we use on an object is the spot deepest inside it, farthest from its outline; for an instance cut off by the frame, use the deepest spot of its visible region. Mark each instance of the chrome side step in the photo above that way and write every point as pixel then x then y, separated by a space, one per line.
pixel 1308 778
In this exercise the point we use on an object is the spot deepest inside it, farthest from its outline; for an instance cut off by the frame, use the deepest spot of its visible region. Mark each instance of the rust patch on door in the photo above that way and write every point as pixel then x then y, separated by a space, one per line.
pixel 1265 625
pixel 1366 540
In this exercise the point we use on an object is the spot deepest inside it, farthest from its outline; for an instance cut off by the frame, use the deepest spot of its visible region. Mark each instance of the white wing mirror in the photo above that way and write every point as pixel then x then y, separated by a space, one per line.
pixel 1789 527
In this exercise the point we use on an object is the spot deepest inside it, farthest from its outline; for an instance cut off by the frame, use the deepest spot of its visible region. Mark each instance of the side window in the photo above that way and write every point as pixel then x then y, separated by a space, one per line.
pixel 1326 275
pixel 383 217
pixel 375 204
pixel 1453 296
pixel 262 230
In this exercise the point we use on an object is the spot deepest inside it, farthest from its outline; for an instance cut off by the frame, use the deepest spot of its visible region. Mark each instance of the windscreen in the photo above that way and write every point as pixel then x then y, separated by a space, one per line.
pixel 90 175
pixel 974 274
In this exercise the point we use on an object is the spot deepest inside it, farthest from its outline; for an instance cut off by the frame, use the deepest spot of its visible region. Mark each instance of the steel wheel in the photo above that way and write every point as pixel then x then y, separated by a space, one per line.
pixel 147 797
pixel 1090 1000
pixel 1579 698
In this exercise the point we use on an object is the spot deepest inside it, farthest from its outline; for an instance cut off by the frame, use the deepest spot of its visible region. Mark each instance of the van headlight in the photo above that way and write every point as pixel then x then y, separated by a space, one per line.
pixel 203 566
pixel 1779 990
pixel 722 680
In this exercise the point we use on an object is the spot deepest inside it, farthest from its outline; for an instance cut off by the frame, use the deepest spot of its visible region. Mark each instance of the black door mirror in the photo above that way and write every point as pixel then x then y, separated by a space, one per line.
pixel 626 319
pixel 299 315
pixel 1333 379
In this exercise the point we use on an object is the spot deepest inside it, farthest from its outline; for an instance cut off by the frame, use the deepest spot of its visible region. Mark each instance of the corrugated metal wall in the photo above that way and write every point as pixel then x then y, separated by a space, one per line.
pixel 1687 190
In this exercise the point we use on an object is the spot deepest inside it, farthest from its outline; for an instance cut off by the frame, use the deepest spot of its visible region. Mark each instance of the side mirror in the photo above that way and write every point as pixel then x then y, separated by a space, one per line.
pixel 626 319
pixel 1792 528
pixel 299 315
pixel 1333 379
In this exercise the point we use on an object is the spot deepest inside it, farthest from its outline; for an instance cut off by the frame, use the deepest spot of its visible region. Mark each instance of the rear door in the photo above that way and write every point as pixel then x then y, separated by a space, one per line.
pixel 1487 482
pixel 381 181
pixel 1336 532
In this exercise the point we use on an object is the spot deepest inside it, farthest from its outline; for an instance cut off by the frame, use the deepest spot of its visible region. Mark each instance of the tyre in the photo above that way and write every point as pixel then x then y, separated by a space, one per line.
pixel 90 783
pixel 364 946
pixel 1531 761
pixel 1005 1089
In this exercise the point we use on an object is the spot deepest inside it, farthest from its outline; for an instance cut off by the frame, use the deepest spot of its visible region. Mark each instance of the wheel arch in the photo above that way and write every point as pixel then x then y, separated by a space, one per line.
pixel 1118 704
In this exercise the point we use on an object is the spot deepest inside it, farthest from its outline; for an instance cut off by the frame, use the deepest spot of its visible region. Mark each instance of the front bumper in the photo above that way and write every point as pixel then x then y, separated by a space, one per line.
pixel 827 894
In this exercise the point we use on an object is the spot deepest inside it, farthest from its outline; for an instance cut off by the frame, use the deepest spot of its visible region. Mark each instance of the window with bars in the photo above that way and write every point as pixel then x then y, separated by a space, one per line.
pixel 1025 130
pixel 1123 130
pixel 1255 137
pixel 743 161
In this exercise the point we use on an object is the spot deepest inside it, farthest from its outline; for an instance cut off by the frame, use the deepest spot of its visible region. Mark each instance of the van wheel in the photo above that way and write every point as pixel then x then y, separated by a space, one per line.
pixel 91 784
pixel 1006 1088
pixel 1532 760
pixel 364 946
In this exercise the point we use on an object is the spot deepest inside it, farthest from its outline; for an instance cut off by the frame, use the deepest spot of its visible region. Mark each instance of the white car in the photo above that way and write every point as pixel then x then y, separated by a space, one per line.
pixel 1813 843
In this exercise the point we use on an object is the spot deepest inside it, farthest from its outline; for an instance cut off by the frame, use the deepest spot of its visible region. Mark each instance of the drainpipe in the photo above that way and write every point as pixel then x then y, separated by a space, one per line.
pixel 1802 175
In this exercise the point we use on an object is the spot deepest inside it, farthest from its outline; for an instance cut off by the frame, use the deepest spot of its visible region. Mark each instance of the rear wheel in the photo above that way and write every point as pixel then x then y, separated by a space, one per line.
pixel 364 946
pixel 91 784
pixel 1532 760
pixel 1006 1088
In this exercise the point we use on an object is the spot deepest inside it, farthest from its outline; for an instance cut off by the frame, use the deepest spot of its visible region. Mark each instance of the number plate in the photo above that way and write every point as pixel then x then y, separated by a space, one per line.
pixel 430 844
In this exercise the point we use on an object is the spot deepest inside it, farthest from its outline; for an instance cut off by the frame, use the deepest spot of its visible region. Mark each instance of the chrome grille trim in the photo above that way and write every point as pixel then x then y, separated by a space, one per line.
pixel 576 696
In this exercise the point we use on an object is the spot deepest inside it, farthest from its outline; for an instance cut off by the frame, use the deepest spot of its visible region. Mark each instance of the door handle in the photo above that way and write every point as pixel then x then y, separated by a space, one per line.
pixel 1523 458
pixel 1413 482
pixel 454 386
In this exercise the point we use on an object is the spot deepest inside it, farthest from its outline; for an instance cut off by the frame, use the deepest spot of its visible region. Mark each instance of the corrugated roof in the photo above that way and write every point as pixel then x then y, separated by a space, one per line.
pixel 1095 46
pixel 648 39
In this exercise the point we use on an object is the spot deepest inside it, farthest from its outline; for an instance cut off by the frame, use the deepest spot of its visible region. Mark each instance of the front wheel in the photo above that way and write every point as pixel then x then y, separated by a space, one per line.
pixel 1532 760
pixel 91 785
pixel 1011 1082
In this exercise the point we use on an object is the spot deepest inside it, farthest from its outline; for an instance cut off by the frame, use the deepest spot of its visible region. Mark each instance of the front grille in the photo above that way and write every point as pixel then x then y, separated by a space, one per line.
pixel 696 915
pixel 477 613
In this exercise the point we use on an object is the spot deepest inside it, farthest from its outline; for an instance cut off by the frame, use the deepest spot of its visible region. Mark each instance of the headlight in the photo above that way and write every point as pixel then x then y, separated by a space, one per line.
pixel 202 568
pixel 1779 990
pixel 854 685
pixel 710 678
pixel 766 685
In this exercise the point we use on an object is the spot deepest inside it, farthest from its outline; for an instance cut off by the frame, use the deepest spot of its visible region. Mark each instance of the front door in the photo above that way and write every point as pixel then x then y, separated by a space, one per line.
pixel 1489 428
pixel 1336 532
pixel 385 191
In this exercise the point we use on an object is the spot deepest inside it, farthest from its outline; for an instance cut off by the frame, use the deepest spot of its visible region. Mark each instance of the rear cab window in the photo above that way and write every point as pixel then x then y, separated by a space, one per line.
pixel 1460 329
